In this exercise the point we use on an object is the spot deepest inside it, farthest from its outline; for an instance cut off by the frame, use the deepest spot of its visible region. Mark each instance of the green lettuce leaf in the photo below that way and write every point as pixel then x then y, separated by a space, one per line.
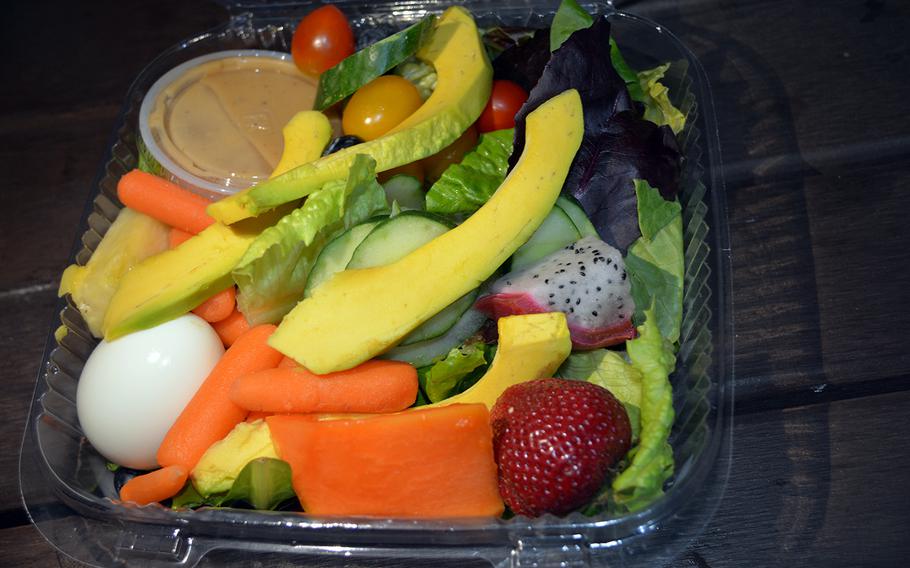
pixel 421 74
pixel 442 379
pixel 569 18
pixel 625 71
pixel 655 260
pixel 656 98
pixel 189 498
pixel 465 186
pixel 605 368
pixel 651 461
pixel 263 483
pixel 608 369
pixel 645 87
pixel 272 274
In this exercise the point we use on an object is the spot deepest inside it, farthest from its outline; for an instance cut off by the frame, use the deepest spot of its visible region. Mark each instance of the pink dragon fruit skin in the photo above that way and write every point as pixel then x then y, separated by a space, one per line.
pixel 586 280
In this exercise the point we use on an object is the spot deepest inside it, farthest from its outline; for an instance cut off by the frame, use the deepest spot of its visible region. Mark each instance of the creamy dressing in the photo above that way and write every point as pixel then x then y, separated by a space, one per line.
pixel 222 120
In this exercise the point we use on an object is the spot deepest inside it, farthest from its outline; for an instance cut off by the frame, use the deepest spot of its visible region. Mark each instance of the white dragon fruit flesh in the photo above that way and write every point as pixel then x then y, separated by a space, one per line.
pixel 586 280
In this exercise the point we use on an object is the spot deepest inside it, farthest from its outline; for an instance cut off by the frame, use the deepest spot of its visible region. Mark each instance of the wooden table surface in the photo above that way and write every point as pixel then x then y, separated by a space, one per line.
pixel 811 100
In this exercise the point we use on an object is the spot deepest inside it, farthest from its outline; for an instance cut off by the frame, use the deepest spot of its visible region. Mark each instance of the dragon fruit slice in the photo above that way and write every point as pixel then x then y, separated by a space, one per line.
pixel 586 280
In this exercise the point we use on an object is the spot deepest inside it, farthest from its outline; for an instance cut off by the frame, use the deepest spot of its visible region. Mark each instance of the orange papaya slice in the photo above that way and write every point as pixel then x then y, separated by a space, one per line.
pixel 422 463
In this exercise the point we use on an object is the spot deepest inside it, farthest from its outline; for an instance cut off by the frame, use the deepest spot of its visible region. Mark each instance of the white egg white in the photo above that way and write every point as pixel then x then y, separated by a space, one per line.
pixel 132 389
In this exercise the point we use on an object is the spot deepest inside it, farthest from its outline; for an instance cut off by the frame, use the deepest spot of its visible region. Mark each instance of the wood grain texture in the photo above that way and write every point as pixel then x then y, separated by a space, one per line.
pixel 24 546
pixel 821 485
pixel 27 319
pixel 59 113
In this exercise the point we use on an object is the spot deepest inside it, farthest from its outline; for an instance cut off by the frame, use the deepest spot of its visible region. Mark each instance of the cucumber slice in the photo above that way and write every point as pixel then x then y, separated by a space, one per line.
pixel 336 255
pixel 556 231
pixel 397 237
pixel 441 322
pixel 571 208
pixel 424 353
pixel 407 191
pixel 371 62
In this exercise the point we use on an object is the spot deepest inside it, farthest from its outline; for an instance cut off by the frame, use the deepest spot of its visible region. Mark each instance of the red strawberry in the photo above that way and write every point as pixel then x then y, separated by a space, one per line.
pixel 554 440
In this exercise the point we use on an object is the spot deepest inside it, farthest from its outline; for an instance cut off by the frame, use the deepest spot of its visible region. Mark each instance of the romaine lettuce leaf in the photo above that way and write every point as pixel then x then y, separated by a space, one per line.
pixel 440 380
pixel 272 274
pixel 605 368
pixel 608 369
pixel 263 483
pixel 421 74
pixel 655 261
pixel 651 461
pixel 625 71
pixel 656 98
pixel 569 18
pixel 645 87
pixel 465 186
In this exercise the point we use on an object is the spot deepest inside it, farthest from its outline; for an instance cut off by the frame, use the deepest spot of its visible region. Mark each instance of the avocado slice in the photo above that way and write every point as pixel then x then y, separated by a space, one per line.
pixel 305 137
pixel 219 466
pixel 175 281
pixel 463 86
pixel 358 314
pixel 131 238
pixel 530 347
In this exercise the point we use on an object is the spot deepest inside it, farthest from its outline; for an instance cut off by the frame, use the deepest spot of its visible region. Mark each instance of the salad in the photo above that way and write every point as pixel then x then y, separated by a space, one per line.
pixel 463 300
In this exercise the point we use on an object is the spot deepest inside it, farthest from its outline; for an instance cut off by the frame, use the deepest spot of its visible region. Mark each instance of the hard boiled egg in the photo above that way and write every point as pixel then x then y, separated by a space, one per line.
pixel 132 389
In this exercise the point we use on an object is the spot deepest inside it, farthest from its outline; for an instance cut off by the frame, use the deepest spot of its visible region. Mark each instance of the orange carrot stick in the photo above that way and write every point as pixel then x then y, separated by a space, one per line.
pixel 288 363
pixel 177 237
pixel 372 387
pixel 230 328
pixel 219 307
pixel 165 201
pixel 257 415
pixel 210 414
pixel 155 486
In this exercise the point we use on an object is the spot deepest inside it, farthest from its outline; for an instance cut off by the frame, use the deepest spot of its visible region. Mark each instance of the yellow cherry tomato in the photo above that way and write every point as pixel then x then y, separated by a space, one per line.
pixel 379 106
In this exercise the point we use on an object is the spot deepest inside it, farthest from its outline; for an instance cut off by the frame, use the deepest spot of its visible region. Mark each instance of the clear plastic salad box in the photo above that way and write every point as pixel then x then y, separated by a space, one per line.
pixel 67 488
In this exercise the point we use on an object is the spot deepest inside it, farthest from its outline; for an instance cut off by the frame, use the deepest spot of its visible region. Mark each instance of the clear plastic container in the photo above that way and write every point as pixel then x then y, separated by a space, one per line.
pixel 66 487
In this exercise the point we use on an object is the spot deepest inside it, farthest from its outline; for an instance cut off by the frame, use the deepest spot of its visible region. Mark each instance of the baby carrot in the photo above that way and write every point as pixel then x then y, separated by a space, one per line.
pixel 177 237
pixel 257 415
pixel 165 201
pixel 288 363
pixel 219 307
pixel 154 486
pixel 210 414
pixel 232 327
pixel 372 387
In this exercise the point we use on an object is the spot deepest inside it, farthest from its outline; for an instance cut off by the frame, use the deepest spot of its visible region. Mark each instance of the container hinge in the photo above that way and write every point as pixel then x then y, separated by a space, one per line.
pixel 165 544
pixel 565 550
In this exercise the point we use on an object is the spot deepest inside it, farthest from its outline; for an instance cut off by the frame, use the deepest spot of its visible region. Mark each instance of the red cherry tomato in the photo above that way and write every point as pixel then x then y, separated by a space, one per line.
pixel 322 39
pixel 505 101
